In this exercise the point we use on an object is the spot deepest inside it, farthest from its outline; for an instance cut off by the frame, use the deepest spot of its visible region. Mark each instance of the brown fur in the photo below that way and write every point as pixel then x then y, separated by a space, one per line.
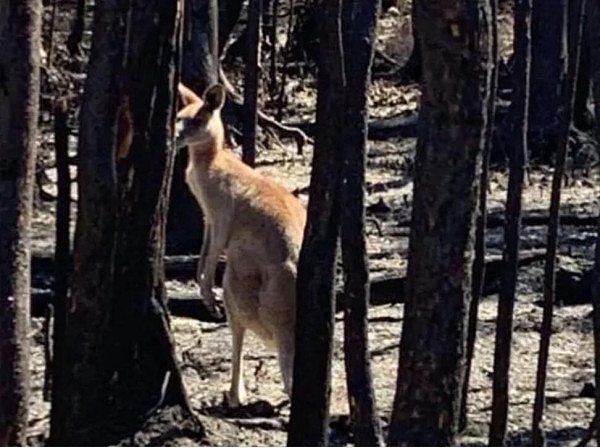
pixel 259 226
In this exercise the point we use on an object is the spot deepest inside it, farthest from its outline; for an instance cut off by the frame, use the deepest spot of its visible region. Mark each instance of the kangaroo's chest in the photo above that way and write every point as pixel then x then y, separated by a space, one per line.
pixel 211 189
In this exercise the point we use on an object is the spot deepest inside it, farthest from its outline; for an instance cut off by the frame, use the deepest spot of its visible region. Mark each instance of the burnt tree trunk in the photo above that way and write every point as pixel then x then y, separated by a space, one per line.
pixel 273 53
pixel 251 76
pixel 77 27
pixel 549 58
pixel 456 47
pixel 594 37
pixel 316 267
pixel 200 70
pixel 113 370
pixel 565 115
pixel 478 272
pixel 596 332
pixel 20 40
pixel 62 246
pixel 78 389
pixel 580 114
pixel 412 70
pixel 594 42
pixel 144 353
pixel 359 25
pixel 229 14
pixel 517 161
pixel 200 65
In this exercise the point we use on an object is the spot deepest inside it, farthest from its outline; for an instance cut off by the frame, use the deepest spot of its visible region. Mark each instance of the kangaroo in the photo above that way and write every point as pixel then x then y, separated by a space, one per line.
pixel 259 226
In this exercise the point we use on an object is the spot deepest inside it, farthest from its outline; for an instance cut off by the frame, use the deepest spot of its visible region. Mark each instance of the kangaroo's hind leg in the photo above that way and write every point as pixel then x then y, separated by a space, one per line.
pixel 278 312
pixel 285 354
pixel 237 391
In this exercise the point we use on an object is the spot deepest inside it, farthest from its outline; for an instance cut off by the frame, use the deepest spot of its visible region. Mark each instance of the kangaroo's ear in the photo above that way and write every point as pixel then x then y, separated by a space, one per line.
pixel 186 95
pixel 214 97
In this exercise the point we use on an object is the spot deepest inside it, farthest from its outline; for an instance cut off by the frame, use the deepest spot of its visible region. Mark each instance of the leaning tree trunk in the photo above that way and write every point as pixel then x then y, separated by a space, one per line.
pixel 20 40
pixel 199 70
pixel 565 115
pixel 314 325
pixel 456 46
pixel 512 231
pixel 359 25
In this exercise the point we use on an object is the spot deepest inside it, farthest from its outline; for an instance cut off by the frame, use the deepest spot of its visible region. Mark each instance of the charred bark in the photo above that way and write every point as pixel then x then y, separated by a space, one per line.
pixel 229 14
pixel 565 114
pixel 359 24
pixel 62 247
pixel 20 40
pixel 115 371
pixel 549 58
pixel 412 70
pixel 478 272
pixel 78 392
pixel 316 267
pixel 512 230
pixel 456 46
pixel 144 354
pixel 77 28
pixel 200 68
pixel 594 40
pixel 251 81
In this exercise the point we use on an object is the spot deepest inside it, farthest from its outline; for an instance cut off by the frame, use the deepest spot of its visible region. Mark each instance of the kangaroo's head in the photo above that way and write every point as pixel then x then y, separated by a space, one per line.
pixel 198 123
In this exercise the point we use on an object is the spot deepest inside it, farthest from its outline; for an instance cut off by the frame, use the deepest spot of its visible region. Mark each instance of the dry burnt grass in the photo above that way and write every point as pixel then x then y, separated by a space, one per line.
pixel 204 347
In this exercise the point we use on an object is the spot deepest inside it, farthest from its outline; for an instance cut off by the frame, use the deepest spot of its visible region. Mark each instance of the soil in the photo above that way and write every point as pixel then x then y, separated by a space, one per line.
pixel 204 347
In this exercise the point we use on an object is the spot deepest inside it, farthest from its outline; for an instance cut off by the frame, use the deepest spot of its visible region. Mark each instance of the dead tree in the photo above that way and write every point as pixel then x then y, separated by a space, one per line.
pixel 229 14
pixel 273 52
pixel 78 384
pixel 594 36
pixel 315 283
pixel 255 8
pixel 358 25
pixel 453 113
pixel 200 65
pixel 595 424
pixel 478 273
pixel 412 70
pixel 113 370
pixel 512 230
pixel 62 246
pixel 20 40
pixel 77 27
pixel 548 70
pixel 565 116
pixel 199 70
pixel 594 42
pixel 144 354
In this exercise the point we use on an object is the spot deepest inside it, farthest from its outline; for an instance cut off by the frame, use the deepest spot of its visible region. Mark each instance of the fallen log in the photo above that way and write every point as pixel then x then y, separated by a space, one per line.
pixel 498 219
pixel 385 290
pixel 398 126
